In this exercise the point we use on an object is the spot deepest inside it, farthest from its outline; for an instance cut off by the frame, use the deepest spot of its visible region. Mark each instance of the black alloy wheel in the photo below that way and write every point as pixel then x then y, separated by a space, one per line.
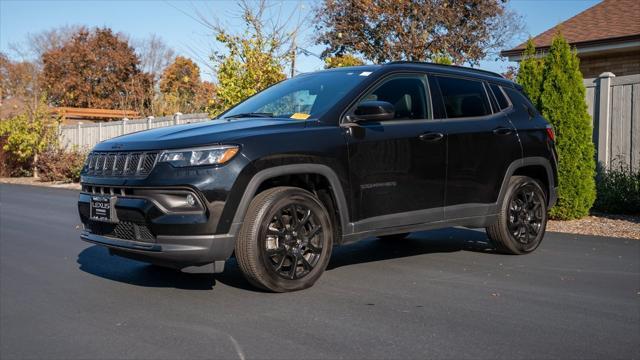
pixel 522 217
pixel 285 241
pixel 292 244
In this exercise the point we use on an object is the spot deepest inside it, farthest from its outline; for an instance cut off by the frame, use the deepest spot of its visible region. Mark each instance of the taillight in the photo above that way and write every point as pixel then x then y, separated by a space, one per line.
pixel 550 133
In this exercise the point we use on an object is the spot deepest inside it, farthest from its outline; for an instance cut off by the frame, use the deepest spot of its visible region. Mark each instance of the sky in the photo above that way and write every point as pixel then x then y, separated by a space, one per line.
pixel 176 22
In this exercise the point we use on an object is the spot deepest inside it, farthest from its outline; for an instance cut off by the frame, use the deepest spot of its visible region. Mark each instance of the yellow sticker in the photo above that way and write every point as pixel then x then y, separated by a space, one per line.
pixel 300 116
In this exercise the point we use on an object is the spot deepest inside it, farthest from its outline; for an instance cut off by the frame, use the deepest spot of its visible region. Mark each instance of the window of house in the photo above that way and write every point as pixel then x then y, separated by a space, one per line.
pixel 463 97
pixel 407 94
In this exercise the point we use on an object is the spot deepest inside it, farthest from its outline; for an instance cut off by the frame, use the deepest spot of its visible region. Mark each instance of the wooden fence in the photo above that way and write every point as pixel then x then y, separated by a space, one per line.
pixel 85 136
pixel 614 106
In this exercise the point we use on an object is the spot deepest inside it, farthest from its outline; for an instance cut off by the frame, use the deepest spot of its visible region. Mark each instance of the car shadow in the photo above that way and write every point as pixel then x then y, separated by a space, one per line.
pixel 97 261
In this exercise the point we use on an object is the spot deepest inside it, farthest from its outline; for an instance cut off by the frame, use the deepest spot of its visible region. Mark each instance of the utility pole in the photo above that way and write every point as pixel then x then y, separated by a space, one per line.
pixel 293 53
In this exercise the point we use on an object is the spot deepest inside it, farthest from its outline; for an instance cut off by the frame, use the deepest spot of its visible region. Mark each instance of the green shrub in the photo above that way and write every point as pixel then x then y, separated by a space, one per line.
pixel 562 102
pixel 60 165
pixel 530 73
pixel 618 191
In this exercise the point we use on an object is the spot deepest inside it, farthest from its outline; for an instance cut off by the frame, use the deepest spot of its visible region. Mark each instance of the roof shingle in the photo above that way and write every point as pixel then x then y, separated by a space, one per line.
pixel 610 19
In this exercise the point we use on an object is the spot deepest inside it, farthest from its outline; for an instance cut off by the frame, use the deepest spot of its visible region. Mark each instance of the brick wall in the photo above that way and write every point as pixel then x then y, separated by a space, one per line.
pixel 620 64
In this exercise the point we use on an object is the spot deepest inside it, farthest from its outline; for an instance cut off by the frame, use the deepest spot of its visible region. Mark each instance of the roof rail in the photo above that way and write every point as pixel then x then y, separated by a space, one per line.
pixel 486 72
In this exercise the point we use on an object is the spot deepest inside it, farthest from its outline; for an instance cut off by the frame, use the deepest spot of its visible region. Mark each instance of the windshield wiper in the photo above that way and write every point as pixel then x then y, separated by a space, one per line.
pixel 251 114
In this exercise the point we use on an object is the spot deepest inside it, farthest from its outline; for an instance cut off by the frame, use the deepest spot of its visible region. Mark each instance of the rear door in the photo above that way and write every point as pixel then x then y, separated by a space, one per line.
pixel 397 167
pixel 481 143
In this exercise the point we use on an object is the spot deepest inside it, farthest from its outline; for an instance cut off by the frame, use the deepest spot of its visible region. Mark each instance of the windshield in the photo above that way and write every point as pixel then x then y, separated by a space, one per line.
pixel 301 97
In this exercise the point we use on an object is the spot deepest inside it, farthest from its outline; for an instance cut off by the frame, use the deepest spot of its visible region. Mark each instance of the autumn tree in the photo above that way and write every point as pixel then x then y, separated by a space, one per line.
pixel 251 61
pixel 181 87
pixel 19 86
pixel 96 69
pixel 342 61
pixel 419 30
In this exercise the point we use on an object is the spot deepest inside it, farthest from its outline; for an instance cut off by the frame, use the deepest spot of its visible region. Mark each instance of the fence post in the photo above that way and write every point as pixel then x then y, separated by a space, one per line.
pixel 79 133
pixel 149 120
pixel 124 126
pixel 604 117
pixel 176 118
pixel 100 131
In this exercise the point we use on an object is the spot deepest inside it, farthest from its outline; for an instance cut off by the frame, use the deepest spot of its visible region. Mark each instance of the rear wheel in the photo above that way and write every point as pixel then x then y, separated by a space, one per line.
pixel 393 237
pixel 286 240
pixel 522 219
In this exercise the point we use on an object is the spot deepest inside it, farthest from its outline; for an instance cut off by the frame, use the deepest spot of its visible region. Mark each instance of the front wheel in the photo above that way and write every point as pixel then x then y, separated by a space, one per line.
pixel 522 217
pixel 286 240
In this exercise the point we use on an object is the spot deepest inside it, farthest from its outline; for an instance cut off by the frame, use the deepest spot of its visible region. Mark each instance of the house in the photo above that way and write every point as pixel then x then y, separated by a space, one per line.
pixel 607 40
pixel 606 37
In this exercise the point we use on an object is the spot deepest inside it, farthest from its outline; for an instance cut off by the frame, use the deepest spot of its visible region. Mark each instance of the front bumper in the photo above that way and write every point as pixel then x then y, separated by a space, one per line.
pixel 147 231
pixel 180 252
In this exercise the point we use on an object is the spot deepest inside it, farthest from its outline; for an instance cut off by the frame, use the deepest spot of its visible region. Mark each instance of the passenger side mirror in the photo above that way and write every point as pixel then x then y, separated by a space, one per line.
pixel 374 111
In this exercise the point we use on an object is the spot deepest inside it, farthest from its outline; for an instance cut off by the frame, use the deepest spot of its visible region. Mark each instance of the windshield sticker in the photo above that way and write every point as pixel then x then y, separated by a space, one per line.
pixel 300 116
pixel 365 73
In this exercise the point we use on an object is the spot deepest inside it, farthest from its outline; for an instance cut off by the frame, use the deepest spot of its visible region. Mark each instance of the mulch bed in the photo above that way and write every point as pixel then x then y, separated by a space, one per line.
pixel 36 182
pixel 623 226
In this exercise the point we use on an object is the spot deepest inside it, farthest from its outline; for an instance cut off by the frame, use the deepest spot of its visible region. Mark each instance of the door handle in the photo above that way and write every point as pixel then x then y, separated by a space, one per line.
pixel 431 136
pixel 502 131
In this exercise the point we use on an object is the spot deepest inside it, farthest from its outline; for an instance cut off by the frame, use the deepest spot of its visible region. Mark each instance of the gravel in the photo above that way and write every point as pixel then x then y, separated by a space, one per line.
pixel 622 226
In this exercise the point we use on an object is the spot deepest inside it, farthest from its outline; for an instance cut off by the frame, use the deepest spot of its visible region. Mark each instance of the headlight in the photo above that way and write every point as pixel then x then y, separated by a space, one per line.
pixel 214 155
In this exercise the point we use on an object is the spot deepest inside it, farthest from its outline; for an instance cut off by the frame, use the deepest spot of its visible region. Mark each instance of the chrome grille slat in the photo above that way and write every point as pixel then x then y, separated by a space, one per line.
pixel 120 164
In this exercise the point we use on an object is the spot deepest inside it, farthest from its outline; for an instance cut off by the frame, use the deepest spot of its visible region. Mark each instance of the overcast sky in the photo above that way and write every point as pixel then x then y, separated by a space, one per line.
pixel 172 20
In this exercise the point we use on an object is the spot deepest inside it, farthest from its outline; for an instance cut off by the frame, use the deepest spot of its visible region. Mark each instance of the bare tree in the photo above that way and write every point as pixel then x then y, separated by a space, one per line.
pixel 155 55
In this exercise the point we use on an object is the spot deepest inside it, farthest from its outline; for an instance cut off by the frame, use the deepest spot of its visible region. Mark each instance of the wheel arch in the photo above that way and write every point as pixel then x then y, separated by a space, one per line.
pixel 538 168
pixel 263 179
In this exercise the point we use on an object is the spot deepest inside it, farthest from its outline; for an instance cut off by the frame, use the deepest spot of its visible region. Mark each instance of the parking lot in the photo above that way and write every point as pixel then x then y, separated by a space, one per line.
pixel 438 294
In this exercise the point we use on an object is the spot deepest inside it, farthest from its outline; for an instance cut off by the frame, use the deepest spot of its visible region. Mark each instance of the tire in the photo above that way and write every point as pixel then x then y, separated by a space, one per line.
pixel 271 241
pixel 522 217
pixel 393 237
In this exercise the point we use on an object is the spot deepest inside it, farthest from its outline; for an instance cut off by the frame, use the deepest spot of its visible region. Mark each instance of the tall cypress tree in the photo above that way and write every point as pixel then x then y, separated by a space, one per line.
pixel 562 102
pixel 530 73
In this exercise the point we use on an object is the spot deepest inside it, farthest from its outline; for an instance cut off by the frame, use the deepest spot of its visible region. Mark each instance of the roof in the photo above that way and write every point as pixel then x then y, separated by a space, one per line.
pixel 610 21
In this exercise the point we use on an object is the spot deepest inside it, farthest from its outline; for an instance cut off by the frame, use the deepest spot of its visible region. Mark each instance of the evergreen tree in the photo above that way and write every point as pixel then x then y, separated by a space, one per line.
pixel 562 102
pixel 530 74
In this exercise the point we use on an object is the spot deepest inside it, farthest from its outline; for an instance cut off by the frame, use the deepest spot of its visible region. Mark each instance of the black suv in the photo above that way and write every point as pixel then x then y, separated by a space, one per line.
pixel 324 159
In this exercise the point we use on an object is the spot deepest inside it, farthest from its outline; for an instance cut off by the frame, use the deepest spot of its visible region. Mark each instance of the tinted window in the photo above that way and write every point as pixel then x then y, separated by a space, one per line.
pixel 519 100
pixel 503 103
pixel 463 98
pixel 407 94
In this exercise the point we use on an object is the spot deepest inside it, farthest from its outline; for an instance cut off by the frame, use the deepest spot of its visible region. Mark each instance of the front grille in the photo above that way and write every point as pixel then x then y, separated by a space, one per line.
pixel 116 164
pixel 125 230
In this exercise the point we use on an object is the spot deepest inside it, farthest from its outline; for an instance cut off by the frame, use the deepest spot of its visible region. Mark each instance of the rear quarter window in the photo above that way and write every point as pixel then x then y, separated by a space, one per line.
pixel 502 100
pixel 519 100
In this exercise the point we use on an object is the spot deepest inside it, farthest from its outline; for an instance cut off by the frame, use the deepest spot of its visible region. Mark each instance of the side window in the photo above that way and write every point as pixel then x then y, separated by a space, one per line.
pixel 520 101
pixel 408 95
pixel 503 103
pixel 463 98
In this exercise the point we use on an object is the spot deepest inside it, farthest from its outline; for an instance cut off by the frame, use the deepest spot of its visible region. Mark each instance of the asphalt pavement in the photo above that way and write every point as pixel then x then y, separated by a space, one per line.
pixel 437 294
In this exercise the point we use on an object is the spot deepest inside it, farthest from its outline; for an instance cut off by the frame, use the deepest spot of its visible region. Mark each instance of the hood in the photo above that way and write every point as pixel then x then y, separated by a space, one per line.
pixel 196 134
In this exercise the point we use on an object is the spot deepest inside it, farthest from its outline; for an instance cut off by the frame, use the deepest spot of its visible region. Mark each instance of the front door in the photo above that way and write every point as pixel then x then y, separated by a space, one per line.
pixel 397 167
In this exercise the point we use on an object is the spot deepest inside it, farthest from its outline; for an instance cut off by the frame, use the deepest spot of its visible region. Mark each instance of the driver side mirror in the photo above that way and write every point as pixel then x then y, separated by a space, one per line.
pixel 374 111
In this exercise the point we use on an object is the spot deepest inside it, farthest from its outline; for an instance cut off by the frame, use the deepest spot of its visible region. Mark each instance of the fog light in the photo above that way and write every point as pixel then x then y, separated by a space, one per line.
pixel 191 200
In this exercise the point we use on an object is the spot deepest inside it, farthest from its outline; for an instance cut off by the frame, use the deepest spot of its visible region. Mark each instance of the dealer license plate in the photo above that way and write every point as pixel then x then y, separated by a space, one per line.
pixel 101 208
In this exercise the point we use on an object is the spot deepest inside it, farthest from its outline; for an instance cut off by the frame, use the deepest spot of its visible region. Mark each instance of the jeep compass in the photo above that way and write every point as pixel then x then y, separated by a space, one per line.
pixel 325 159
